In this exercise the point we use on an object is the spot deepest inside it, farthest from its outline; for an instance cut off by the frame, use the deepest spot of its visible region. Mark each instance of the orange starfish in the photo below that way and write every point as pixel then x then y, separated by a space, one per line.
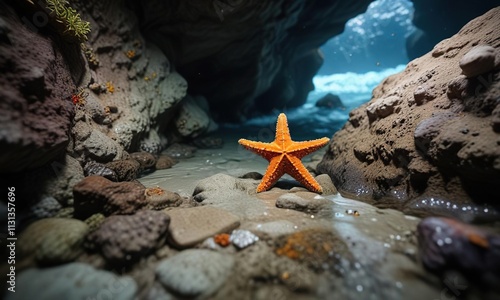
pixel 284 156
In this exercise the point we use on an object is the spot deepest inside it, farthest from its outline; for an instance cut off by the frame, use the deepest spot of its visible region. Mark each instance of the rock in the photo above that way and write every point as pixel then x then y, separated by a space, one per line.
pixel 189 226
pixel 243 238
pixel 326 184
pixel 445 150
pixel 158 198
pixel 195 272
pixel 478 60
pixel 191 120
pixel 304 201
pixel 72 281
pixel 447 244
pixel 95 221
pixel 52 241
pixel 100 147
pixel 208 142
pixel 36 83
pixel 125 169
pixel 213 67
pixel 151 143
pixel 68 172
pixel 164 162
pixel 46 208
pixel 97 169
pixel 382 108
pixel 180 151
pixel 147 160
pixel 123 240
pixel 330 101
pixel 96 194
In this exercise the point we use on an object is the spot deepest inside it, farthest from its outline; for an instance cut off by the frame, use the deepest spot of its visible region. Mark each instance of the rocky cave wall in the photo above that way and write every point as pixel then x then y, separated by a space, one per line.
pixel 429 139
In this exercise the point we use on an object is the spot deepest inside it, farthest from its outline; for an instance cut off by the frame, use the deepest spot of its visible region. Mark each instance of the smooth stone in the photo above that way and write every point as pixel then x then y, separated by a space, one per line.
pixel 478 60
pixel 74 281
pixel 195 272
pixel 326 184
pixel 189 226
pixel 304 201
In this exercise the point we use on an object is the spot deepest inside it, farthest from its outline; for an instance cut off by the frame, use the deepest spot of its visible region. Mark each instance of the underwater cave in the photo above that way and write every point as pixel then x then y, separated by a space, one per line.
pixel 244 149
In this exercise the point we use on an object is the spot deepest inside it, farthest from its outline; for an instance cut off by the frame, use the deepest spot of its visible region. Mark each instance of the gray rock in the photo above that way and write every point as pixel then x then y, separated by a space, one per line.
pixel 52 240
pixel 195 272
pixel 100 146
pixel 151 142
pixel 74 281
pixel 192 120
pixel 304 201
pixel 326 184
pixel 189 226
pixel 68 172
pixel 46 208
pixel 478 60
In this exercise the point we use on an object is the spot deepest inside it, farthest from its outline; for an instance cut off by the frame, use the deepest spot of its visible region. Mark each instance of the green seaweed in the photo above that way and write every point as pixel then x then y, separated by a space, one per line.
pixel 68 16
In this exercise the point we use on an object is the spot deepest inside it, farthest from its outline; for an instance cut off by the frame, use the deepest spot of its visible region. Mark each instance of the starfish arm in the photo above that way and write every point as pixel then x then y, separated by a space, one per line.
pixel 274 172
pixel 283 138
pixel 301 149
pixel 300 173
pixel 266 150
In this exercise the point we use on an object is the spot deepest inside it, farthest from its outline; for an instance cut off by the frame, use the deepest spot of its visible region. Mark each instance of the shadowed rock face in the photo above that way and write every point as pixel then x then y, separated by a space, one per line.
pixel 244 55
pixel 429 138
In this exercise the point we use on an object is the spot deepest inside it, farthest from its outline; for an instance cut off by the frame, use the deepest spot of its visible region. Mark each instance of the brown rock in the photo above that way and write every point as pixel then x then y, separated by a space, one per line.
pixel 165 162
pixel 478 60
pixel 158 198
pixel 123 240
pixel 189 226
pixel 443 149
pixel 96 194
pixel 125 169
pixel 147 160
pixel 36 111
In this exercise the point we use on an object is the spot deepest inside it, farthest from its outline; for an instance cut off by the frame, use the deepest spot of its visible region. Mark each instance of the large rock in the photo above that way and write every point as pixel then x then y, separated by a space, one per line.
pixel 244 54
pixel 427 139
pixel 73 281
pixel 36 110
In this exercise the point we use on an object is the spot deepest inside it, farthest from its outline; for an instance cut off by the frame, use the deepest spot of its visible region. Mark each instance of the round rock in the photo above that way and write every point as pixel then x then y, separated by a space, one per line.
pixel 52 240
pixel 72 281
pixel 195 272
pixel 478 60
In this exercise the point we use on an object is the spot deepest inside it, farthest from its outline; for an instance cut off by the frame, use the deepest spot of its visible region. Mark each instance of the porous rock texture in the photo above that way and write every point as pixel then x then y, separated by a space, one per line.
pixel 428 132
pixel 242 55
pixel 35 110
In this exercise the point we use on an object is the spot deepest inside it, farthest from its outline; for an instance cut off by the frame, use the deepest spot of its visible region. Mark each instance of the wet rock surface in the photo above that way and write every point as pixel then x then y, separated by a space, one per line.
pixel 427 130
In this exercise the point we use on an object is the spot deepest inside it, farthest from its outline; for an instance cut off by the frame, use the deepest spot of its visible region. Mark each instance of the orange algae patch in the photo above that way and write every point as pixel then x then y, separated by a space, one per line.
pixel 222 239
pixel 110 87
pixel 130 54
pixel 154 191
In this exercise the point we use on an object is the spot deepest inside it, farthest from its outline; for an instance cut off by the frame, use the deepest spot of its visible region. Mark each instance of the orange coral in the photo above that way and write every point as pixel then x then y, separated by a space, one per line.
pixel 130 53
pixel 222 239
pixel 154 191
pixel 110 87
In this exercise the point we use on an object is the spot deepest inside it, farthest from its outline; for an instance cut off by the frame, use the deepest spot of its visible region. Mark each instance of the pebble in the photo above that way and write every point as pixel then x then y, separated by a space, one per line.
pixel 145 159
pixel 195 272
pixel 96 194
pixel 98 169
pixel 164 162
pixel 46 208
pixel 125 239
pixel 303 201
pixel 52 240
pixel 158 198
pixel 189 226
pixel 242 238
pixel 478 60
pixel 326 184
pixel 72 281
pixel 382 107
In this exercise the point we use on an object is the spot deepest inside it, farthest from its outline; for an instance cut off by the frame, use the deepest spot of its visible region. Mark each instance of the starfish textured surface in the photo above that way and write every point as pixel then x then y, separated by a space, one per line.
pixel 284 156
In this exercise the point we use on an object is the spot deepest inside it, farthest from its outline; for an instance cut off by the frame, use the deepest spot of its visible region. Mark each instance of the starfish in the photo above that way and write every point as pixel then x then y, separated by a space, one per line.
pixel 284 156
